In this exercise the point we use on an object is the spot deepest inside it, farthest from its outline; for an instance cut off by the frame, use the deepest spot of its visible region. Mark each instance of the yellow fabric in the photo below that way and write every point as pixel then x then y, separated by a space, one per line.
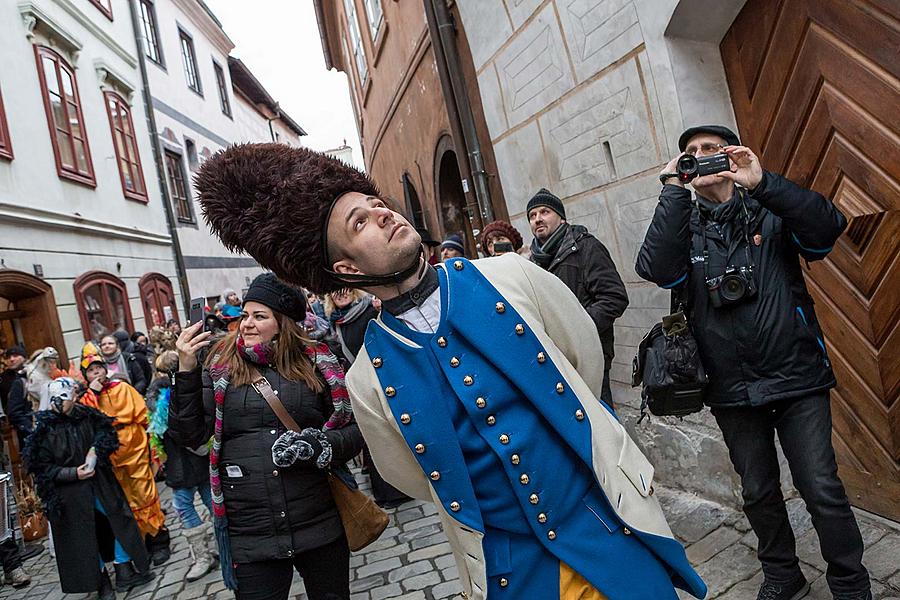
pixel 573 586
pixel 131 462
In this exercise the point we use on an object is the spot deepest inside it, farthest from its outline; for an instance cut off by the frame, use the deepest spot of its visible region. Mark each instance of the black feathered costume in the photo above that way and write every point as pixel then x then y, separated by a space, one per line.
pixel 81 534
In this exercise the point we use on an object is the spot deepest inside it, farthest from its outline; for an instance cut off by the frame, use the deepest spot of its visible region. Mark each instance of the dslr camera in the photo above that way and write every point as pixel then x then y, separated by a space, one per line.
pixel 734 285
pixel 690 167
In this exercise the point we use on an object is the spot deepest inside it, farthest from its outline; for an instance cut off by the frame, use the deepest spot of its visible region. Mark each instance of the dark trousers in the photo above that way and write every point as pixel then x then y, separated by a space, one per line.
pixel 325 571
pixel 606 390
pixel 804 430
pixel 9 555
pixel 384 493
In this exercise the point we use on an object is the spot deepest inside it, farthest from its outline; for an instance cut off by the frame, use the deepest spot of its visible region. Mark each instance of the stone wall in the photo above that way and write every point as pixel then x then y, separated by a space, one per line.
pixel 587 98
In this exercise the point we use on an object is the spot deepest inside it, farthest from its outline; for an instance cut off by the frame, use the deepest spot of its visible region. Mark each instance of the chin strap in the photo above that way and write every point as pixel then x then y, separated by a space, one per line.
pixel 363 280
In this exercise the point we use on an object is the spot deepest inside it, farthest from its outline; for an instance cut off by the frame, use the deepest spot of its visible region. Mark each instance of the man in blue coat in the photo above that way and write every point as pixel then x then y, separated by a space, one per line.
pixel 477 387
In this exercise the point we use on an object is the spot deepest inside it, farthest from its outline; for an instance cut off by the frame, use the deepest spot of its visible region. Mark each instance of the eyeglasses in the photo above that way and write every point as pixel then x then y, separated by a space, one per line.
pixel 707 148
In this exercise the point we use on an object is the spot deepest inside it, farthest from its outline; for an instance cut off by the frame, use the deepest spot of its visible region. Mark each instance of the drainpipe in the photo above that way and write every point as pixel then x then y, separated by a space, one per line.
pixel 158 160
pixel 443 38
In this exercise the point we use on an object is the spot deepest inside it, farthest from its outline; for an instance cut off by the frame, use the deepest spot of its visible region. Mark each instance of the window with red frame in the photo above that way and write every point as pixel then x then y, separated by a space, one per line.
pixel 158 298
pixel 178 188
pixel 102 301
pixel 63 108
pixel 105 7
pixel 5 143
pixel 127 156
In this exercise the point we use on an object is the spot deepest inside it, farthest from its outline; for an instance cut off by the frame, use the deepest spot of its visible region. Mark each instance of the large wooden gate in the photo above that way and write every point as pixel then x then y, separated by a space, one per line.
pixel 815 89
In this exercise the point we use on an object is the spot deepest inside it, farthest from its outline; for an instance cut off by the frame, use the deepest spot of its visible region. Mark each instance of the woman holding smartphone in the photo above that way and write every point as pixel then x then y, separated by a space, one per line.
pixel 499 237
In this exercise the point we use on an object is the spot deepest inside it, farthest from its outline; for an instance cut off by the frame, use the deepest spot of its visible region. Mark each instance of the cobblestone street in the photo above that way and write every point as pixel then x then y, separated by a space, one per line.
pixel 412 560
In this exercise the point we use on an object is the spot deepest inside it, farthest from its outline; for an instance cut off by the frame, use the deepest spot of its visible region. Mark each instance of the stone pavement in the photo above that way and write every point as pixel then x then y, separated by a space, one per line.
pixel 412 560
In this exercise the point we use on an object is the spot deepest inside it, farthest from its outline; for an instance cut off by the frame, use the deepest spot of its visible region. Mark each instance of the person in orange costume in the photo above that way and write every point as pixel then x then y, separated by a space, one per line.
pixel 131 462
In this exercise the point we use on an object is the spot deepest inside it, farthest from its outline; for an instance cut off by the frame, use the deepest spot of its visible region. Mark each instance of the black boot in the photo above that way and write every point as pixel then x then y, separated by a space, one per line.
pixel 158 547
pixel 792 590
pixel 106 591
pixel 128 577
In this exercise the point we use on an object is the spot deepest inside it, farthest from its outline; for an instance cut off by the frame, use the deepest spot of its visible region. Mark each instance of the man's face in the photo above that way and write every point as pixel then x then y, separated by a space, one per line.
pixel 543 222
pixel 705 144
pixel 109 345
pixel 366 237
pixel 14 362
pixel 448 253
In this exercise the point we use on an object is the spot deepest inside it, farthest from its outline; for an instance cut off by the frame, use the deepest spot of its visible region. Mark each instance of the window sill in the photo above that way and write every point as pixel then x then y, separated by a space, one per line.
pixel 142 198
pixel 90 182
pixel 6 153
pixel 161 65
pixel 196 91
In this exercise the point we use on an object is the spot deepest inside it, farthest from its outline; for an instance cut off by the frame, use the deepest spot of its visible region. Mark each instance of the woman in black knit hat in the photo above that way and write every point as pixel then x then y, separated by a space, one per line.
pixel 272 505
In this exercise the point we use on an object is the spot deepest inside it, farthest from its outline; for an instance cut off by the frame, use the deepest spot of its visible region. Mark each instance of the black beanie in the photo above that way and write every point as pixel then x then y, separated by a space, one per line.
pixel 270 291
pixel 545 197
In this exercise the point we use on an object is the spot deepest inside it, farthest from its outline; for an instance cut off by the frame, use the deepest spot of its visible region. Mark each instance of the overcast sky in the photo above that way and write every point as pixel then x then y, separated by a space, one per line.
pixel 279 41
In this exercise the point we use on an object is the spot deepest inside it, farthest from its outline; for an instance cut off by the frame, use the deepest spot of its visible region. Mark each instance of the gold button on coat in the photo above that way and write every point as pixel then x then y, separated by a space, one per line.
pixel 523 479
pixel 501 308
pixel 504 582
pixel 420 448
pixel 626 531
pixel 520 329
pixel 514 459
pixel 377 362
pixel 542 518
pixel 504 439
pixel 390 392
pixel 480 402
pixel 467 380
pixel 560 388
pixel 534 499
pixel 491 420
pixel 435 475
pixel 458 265
pixel 442 342
pixel 454 506
pixel 551 535
pixel 579 415
pixel 541 357
pixel 454 362
pixel 405 418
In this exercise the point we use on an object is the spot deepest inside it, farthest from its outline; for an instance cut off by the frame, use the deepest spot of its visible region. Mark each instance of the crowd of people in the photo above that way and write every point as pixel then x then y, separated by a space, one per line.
pixel 480 385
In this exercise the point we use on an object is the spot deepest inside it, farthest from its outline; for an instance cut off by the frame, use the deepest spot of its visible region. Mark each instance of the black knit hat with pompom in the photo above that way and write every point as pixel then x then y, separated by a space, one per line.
pixel 272 202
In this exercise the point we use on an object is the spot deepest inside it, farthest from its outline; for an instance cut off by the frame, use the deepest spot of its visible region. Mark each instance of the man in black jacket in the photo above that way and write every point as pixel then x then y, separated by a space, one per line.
pixel 734 252
pixel 14 395
pixel 583 263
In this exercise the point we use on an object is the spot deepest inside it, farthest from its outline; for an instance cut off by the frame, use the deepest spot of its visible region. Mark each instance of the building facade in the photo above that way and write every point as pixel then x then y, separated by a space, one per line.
pixel 203 100
pixel 588 97
pixel 86 247
pixel 410 124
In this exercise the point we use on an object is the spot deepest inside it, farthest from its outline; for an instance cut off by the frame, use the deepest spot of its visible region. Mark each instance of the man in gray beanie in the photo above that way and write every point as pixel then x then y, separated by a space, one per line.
pixel 583 263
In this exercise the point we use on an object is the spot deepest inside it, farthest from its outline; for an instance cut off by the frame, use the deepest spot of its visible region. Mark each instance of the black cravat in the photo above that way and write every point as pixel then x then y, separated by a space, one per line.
pixel 414 297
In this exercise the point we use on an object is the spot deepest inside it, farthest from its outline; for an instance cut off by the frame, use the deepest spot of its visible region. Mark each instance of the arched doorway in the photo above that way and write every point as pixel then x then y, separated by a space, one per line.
pixel 158 299
pixel 28 313
pixel 451 199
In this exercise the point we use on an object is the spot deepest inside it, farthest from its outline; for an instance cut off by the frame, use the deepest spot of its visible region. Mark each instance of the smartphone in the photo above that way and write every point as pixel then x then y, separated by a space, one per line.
pixel 502 248
pixel 196 313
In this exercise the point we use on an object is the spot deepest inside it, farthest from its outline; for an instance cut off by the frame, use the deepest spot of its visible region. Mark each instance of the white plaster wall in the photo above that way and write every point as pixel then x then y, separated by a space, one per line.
pixel 65 227
pixel 587 98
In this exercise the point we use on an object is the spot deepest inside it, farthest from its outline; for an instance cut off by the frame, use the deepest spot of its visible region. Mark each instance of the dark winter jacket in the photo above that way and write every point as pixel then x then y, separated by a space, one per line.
pixel 144 357
pixel 583 263
pixel 16 404
pixel 272 512
pixel 351 334
pixel 185 467
pixel 768 347
pixel 52 454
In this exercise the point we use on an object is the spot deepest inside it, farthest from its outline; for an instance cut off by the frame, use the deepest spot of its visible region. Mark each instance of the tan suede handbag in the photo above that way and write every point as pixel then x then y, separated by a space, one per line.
pixel 364 521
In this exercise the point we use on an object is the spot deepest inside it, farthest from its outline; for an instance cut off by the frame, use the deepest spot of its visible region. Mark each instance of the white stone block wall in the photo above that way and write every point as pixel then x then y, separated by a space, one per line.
pixel 587 98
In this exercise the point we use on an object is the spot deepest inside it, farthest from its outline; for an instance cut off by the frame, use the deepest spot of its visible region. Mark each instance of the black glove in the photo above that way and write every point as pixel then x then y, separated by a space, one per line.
pixel 308 445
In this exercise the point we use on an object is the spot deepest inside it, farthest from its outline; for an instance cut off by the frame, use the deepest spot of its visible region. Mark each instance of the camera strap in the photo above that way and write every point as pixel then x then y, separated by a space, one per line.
pixel 745 229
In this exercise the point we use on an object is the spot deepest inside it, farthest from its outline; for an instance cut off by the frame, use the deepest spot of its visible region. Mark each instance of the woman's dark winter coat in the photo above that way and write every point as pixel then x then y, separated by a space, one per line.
pixel 144 357
pixel 768 347
pixel 184 467
pixel 272 512
pixel 81 534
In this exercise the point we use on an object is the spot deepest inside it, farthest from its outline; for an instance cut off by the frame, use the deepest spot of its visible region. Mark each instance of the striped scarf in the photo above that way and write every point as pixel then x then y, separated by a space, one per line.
pixel 263 354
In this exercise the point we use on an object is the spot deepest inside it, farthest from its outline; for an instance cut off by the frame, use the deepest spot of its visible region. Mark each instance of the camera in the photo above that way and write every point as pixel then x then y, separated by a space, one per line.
pixel 689 167
pixel 502 248
pixel 734 285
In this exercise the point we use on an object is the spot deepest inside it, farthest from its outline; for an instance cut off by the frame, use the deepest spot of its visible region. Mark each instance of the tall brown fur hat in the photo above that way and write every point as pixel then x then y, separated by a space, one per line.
pixel 271 201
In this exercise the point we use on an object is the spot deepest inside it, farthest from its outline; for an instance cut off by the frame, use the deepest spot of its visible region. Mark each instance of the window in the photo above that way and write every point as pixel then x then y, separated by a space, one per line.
pixel 63 107
pixel 356 41
pixel 413 206
pixel 190 62
pixel 102 304
pixel 223 89
pixel 190 148
pixel 158 299
pixel 178 187
pixel 5 143
pixel 105 7
pixel 127 156
pixel 376 16
pixel 151 31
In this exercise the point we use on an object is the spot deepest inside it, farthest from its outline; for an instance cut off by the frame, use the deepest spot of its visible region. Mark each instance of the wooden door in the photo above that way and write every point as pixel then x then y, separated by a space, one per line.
pixel 815 90
pixel 158 299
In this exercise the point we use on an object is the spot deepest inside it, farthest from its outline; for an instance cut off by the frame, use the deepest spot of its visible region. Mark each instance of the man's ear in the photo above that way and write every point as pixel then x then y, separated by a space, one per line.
pixel 345 267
